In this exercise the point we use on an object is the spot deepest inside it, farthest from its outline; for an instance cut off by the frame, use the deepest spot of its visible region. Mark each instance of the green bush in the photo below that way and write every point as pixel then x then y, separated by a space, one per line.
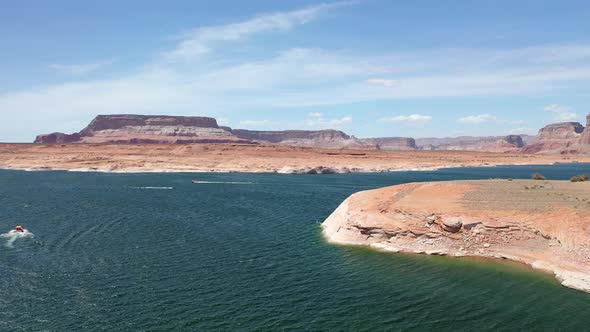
pixel 579 178
pixel 537 176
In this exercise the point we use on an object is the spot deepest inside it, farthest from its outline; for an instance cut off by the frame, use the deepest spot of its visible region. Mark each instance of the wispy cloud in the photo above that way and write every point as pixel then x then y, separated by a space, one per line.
pixel 316 120
pixel 413 118
pixel 561 112
pixel 294 77
pixel 199 41
pixel 477 119
pixel 82 68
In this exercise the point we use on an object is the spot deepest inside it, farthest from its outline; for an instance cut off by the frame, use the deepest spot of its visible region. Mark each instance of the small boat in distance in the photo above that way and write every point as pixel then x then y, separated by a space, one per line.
pixel 196 181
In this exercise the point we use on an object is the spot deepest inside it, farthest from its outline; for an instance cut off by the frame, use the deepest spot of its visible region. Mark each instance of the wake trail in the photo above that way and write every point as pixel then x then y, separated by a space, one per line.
pixel 14 235
pixel 222 182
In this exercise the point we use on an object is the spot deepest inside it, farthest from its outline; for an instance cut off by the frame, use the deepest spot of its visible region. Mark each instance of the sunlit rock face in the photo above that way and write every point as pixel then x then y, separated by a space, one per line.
pixel 557 138
pixel 130 128
pixel 327 139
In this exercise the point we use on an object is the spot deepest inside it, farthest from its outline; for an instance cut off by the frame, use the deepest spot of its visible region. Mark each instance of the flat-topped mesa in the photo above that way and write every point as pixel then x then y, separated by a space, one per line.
pixel 392 143
pixel 510 143
pixel 131 128
pixel 57 138
pixel 545 224
pixel 329 138
pixel 556 138
pixel 120 121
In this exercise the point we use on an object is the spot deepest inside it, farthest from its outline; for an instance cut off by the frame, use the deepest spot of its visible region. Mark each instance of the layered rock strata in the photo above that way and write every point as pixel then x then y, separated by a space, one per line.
pixel 510 143
pixel 131 128
pixel 545 224
pixel 327 139
pixel 392 143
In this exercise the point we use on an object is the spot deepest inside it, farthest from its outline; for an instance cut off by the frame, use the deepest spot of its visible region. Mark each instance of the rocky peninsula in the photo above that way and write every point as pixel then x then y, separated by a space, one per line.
pixel 545 224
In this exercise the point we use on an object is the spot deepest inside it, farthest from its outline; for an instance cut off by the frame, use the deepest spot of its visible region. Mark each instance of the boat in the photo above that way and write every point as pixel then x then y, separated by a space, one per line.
pixel 196 181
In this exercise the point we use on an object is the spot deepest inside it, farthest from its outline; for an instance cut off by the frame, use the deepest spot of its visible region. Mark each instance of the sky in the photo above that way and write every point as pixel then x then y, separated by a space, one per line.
pixel 371 68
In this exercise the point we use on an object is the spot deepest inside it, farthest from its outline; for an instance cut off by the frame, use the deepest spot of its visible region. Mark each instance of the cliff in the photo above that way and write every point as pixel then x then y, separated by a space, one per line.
pixel 510 143
pixel 130 128
pixel 564 138
pixel 585 139
pixel 558 138
pixel 545 224
pixel 392 143
pixel 328 139
pixel 60 138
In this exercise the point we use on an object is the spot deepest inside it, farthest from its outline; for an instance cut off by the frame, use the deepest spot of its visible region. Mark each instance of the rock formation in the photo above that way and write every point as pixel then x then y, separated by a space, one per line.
pixel 60 138
pixel 267 158
pixel 585 139
pixel 542 223
pixel 564 138
pixel 327 139
pixel 557 138
pixel 510 143
pixel 392 143
pixel 129 128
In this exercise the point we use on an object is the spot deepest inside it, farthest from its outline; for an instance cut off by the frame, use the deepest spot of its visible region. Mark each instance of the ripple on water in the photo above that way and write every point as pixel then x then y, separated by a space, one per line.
pixel 245 257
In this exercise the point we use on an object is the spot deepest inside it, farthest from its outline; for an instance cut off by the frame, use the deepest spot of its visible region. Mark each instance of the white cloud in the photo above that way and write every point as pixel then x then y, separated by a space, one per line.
pixel 340 122
pixel 413 118
pixel 317 120
pixel 80 69
pixel 198 41
pixel 292 78
pixel 561 112
pixel 477 119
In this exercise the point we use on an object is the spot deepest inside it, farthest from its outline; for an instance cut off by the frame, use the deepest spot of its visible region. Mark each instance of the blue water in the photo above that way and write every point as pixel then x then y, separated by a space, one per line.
pixel 155 252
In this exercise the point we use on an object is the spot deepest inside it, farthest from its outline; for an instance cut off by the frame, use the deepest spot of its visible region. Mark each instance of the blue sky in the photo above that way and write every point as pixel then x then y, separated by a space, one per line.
pixel 368 67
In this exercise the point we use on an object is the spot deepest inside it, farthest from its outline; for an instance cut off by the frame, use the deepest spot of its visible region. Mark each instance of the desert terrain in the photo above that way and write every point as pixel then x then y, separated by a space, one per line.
pixel 247 158
pixel 545 224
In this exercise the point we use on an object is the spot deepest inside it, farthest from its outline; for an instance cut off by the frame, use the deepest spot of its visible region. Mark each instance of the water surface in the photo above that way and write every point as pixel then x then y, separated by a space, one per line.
pixel 153 252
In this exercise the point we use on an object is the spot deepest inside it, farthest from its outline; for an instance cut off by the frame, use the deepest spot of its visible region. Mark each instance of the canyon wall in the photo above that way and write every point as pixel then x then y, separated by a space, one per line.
pixel 329 138
pixel 564 137
pixel 510 143
pixel 130 128
pixel 392 143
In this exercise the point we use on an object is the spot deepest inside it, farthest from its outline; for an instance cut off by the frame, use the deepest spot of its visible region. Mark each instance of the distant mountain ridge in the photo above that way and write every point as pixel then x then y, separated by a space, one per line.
pixel 568 137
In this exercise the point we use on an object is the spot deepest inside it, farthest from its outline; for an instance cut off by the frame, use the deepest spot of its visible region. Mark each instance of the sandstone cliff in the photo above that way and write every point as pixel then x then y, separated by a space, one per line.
pixel 510 143
pixel 60 138
pixel 392 143
pixel 585 139
pixel 558 138
pixel 327 139
pixel 130 128
pixel 542 223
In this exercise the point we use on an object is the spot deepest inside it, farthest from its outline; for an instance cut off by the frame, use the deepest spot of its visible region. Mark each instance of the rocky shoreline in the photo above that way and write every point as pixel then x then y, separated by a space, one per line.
pixel 544 224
